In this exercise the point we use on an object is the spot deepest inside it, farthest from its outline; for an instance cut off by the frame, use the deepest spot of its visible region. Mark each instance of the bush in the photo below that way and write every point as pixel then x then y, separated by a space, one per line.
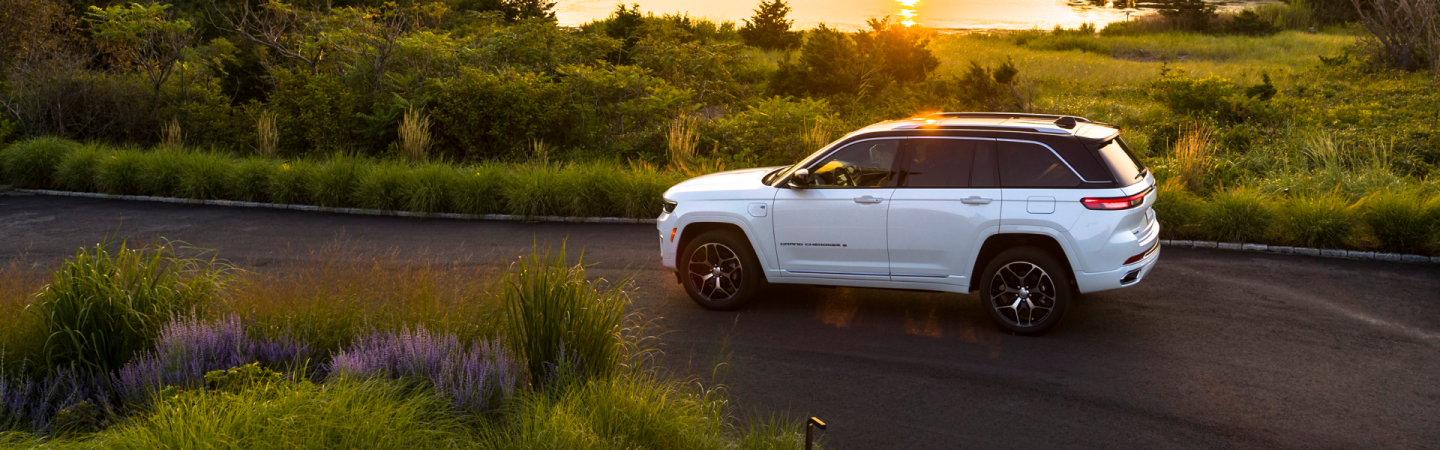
pixel 427 189
pixel 770 132
pixel 161 173
pixel 381 186
pixel 834 62
pixel 336 182
pixel 189 349
pixel 1249 23
pixel 1180 212
pixel 1319 222
pixel 315 112
pixel 121 173
pixel 1239 215
pixel 564 327
pixel 249 180
pixel 478 190
pixel 1214 97
pixel 31 164
pixel 77 170
pixel 483 115
pixel 56 402
pixel 292 183
pixel 1401 221
pixel 103 306
pixel 204 175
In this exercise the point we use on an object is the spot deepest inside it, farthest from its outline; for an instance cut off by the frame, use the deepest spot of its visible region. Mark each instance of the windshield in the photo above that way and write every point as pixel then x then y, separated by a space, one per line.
pixel 1128 169
pixel 784 172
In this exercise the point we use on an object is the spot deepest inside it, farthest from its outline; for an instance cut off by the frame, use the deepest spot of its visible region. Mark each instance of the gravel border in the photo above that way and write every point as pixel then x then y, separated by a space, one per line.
pixel 1276 249
pixel 355 211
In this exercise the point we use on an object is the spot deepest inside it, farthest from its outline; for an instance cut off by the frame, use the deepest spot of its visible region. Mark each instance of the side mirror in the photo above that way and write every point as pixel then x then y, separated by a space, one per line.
pixel 800 179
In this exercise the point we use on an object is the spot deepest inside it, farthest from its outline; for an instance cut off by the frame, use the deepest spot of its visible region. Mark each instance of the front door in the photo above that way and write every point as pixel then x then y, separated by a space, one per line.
pixel 948 201
pixel 836 226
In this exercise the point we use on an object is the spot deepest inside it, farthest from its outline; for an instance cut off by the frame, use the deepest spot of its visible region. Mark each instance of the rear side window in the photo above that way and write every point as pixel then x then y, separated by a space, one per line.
pixel 1028 165
pixel 1128 169
pixel 938 163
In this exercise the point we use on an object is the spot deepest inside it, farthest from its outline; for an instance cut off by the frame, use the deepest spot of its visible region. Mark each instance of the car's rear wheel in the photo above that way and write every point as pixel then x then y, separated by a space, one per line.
pixel 720 271
pixel 1025 290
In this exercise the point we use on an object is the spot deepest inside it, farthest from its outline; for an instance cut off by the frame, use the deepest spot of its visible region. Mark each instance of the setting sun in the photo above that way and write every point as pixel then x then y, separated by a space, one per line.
pixel 907 13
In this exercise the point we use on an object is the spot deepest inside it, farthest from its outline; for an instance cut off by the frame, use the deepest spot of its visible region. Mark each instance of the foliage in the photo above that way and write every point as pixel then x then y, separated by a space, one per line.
pixel 474 378
pixel 833 62
pixel 1214 97
pixel 1319 222
pixel 768 28
pixel 564 327
pixel 1195 15
pixel 1239 215
pixel 104 305
pixel 1402 221
pixel 770 131
pixel 1250 23
pixel 32 163
pixel 483 115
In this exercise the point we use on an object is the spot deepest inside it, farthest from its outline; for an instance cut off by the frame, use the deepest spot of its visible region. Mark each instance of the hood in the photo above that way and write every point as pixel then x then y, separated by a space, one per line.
pixel 734 180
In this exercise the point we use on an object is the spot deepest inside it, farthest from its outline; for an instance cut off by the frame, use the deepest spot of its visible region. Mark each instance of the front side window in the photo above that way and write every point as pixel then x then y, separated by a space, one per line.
pixel 859 165
pixel 1029 165
pixel 939 163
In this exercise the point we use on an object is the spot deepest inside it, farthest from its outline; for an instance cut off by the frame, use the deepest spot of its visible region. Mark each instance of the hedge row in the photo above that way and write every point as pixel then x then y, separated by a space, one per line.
pixel 1404 222
pixel 534 189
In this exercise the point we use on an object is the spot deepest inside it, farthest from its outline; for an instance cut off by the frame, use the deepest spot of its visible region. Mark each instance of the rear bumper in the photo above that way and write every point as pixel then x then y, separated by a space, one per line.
pixel 1125 276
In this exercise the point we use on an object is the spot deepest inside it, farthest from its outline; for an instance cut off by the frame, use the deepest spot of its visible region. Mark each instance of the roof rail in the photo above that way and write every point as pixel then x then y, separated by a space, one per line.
pixel 1004 115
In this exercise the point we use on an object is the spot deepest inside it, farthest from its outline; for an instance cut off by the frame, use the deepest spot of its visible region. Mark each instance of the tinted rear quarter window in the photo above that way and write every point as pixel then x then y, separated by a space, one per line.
pixel 1027 165
pixel 1127 168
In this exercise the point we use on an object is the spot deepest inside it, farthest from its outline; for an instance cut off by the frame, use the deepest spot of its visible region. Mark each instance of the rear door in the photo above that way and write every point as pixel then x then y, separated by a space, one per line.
pixel 836 228
pixel 948 200
pixel 1041 189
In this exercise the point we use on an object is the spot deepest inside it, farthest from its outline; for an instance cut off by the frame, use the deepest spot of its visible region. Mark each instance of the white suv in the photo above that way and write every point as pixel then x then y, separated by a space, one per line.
pixel 1026 209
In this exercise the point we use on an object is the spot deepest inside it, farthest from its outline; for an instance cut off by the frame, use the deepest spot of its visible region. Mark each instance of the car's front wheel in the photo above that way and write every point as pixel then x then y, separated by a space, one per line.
pixel 719 270
pixel 1025 290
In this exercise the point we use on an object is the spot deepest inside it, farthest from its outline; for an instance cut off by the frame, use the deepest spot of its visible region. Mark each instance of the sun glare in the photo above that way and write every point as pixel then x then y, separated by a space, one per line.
pixel 908 12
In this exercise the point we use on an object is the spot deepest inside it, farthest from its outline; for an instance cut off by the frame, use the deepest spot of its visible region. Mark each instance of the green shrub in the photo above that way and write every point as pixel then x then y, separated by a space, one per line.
pixel 478 190
pixel 291 183
pixel 121 173
pixel 315 113
pixel 638 193
pixel 1214 97
pixel 621 110
pixel 336 181
pixel 203 175
pixel 591 186
pixel 427 188
pixel 104 305
pixel 484 115
pixel 1249 23
pixel 236 380
pixel 1239 215
pixel 1401 221
pixel 772 131
pixel 249 180
pixel 1319 222
pixel 533 190
pixel 562 325
pixel 161 173
pixel 835 62
pixel 382 186
pixel 31 164
pixel 342 414
pixel 1181 213
pixel 77 170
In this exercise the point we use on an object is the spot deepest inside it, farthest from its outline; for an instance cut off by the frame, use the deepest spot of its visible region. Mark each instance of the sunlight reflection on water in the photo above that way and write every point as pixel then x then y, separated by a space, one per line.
pixel 851 14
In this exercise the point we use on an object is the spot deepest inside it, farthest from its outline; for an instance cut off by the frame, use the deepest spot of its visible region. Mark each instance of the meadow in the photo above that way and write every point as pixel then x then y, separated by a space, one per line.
pixel 163 345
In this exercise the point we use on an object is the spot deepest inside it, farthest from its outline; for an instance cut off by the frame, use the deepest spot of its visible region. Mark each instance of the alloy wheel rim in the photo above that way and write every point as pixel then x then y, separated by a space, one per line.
pixel 1022 293
pixel 715 272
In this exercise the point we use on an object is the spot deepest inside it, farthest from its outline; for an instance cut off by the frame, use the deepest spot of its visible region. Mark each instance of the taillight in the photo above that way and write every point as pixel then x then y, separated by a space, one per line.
pixel 1117 202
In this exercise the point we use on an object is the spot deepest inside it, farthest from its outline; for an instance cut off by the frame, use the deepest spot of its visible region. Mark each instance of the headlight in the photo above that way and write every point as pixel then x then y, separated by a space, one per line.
pixel 670 206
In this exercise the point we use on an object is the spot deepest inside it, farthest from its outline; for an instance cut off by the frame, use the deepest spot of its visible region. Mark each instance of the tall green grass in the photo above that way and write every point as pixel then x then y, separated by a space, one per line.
pixel 204 175
pixel 249 180
pixel 1320 222
pixel 1403 221
pixel 1240 215
pixel 336 181
pixel 31 164
pixel 77 169
pixel 119 173
pixel 292 183
pixel 561 323
pixel 105 303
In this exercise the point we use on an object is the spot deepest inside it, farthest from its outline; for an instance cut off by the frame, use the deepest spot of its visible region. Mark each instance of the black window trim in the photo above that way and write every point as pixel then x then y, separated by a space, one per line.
pixel 900 183
pixel 1057 156
pixel 899 149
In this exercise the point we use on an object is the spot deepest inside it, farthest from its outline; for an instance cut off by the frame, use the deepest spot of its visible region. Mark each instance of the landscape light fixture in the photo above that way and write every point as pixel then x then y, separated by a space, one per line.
pixel 809 429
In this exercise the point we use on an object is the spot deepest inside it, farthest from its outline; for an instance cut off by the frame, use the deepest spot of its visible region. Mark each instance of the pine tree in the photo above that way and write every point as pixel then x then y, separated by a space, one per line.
pixel 768 28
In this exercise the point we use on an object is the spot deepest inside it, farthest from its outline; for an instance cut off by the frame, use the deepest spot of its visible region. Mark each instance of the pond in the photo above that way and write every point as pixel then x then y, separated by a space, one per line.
pixel 852 14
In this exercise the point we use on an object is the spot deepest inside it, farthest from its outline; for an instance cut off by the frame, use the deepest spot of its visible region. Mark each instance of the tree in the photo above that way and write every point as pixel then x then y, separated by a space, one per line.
pixel 769 29
pixel 143 37
pixel 627 26
pixel 1408 30
pixel 513 10
pixel 834 62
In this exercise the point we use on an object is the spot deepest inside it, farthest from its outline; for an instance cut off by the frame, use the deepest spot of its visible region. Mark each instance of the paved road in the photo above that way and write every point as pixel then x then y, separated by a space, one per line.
pixel 1215 349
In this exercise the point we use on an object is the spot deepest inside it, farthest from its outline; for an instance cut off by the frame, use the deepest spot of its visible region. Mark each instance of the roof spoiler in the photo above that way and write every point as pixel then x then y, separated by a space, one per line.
pixel 1057 119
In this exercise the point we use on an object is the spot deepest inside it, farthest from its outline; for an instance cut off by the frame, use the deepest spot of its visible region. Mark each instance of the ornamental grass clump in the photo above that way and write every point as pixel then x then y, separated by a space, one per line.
pixel 1318 222
pixel 77 169
pixel 1239 215
pixel 249 180
pixel 107 303
pixel 1402 222
pixel 1180 212
pixel 474 378
pixel 203 176
pixel 31 164
pixel 428 188
pixel 291 183
pixel 161 173
pixel 379 187
pixel 336 180
pixel 478 189
pixel 564 326
pixel 120 172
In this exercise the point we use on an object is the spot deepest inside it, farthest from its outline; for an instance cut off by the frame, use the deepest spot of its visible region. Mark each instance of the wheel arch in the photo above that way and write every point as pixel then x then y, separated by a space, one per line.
pixel 998 243
pixel 689 231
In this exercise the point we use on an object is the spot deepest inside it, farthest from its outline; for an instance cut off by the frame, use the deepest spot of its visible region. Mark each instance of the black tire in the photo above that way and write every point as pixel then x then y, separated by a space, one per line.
pixel 737 279
pixel 1025 290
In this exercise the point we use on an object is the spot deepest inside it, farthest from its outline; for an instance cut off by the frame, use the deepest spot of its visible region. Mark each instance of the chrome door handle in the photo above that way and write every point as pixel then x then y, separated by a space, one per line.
pixel 868 199
pixel 975 200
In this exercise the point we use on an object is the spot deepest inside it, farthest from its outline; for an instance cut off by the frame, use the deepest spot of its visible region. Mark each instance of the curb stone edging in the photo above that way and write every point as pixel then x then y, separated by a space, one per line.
pixel 351 211
pixel 1327 253
pixel 1277 249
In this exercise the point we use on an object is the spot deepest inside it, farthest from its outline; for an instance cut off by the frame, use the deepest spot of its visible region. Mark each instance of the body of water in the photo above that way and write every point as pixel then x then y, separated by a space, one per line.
pixel 852 14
